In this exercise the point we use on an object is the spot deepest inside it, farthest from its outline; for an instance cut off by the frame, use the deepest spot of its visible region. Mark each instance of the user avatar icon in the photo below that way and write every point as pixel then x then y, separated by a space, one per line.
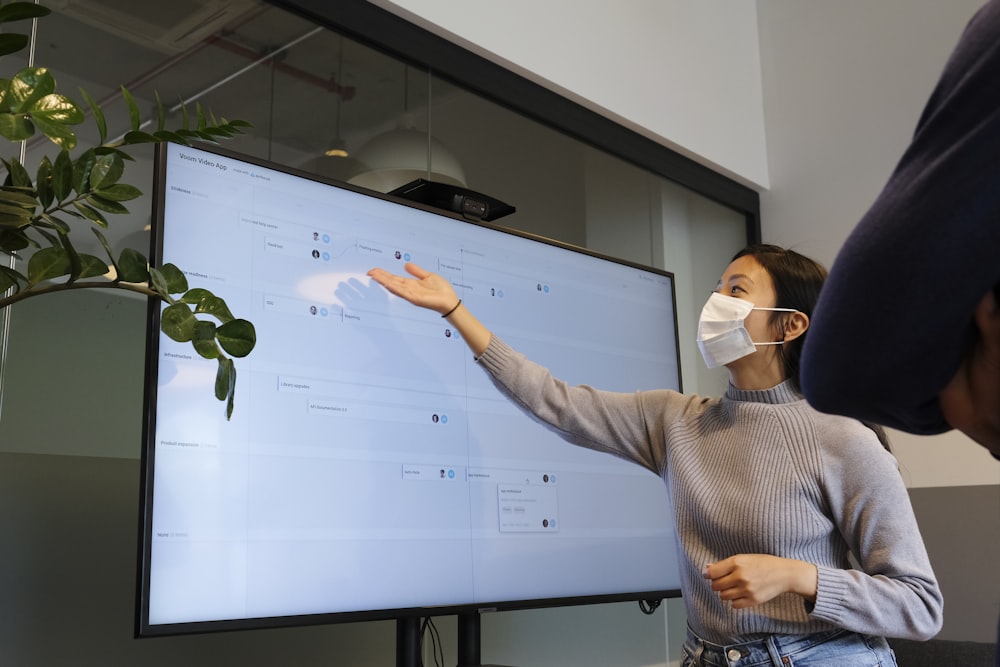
pixel 315 254
pixel 399 255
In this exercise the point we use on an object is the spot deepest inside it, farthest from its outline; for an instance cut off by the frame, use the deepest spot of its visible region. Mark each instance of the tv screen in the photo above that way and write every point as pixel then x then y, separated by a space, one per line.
pixel 370 470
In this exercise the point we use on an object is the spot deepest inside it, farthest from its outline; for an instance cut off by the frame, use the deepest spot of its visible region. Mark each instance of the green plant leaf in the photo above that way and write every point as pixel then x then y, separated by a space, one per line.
pixel 161 113
pixel 106 171
pixel 107 248
pixel 118 192
pixel 48 263
pixel 54 223
pixel 98 114
pixel 15 211
pixel 185 117
pixel 56 108
pixel 178 322
pixel 81 171
pixel 136 137
pixel 62 176
pixel 8 278
pixel 135 118
pixel 12 43
pixel 19 176
pixel 208 304
pixel 12 240
pixel 91 266
pixel 108 150
pixel 168 135
pixel 21 197
pixel 91 214
pixel 106 205
pixel 14 221
pixel 200 116
pixel 174 279
pixel 133 267
pixel 43 182
pixel 58 133
pixel 75 265
pixel 237 337
pixel 18 11
pixel 28 87
pixel 203 340
pixel 15 126
pixel 225 379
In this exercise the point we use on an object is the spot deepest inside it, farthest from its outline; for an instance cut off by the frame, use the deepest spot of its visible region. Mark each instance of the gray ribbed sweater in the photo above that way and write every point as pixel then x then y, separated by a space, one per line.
pixel 758 472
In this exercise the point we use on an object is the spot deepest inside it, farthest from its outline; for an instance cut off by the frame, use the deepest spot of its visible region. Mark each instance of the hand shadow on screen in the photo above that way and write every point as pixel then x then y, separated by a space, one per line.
pixel 355 294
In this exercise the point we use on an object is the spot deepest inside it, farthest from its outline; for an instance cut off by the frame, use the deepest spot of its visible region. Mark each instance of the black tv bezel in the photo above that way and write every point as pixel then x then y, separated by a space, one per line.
pixel 143 628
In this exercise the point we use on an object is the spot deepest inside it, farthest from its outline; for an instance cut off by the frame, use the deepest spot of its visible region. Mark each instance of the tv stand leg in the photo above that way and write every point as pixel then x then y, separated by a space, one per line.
pixel 408 642
pixel 468 640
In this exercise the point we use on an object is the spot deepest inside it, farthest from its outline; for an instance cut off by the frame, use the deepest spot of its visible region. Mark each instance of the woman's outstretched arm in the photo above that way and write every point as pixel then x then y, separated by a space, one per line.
pixel 431 291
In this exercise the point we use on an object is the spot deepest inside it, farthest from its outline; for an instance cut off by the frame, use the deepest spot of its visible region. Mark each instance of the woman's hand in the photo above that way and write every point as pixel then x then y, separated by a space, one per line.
pixel 971 401
pixel 748 580
pixel 425 289
pixel 429 290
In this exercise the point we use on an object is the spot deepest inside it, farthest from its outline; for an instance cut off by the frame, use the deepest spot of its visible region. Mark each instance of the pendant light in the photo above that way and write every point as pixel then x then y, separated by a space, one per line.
pixel 404 154
pixel 338 147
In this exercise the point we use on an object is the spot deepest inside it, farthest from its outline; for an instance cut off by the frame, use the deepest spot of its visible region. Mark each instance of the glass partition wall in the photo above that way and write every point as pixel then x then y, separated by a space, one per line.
pixel 326 99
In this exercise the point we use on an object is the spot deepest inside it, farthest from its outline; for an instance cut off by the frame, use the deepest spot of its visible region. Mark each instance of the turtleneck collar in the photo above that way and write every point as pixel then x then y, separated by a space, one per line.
pixel 781 393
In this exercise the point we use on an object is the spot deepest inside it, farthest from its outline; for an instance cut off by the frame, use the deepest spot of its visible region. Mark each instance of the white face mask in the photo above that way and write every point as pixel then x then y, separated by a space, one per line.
pixel 722 337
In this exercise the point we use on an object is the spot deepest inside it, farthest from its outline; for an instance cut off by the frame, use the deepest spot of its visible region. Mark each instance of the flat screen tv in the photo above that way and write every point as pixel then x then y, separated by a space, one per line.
pixel 370 469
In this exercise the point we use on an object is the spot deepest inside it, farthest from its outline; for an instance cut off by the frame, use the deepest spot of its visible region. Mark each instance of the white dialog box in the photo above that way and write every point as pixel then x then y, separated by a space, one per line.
pixel 528 508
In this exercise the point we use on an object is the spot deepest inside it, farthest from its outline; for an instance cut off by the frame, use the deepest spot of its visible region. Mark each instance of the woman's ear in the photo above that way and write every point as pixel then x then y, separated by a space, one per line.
pixel 796 324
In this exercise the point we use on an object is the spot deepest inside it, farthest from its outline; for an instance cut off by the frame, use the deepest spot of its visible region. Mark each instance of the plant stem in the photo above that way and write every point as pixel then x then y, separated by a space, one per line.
pixel 62 287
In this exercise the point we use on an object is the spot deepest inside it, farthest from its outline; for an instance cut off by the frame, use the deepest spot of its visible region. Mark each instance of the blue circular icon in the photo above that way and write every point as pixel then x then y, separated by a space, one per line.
pixel 326 238
pixel 444 419
pixel 552 478
pixel 326 257
pixel 546 289
pixel 500 293
pixel 406 256
pixel 451 474
pixel 324 312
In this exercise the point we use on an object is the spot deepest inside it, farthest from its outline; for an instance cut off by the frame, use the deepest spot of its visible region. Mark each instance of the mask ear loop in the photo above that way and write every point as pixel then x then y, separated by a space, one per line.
pixel 784 324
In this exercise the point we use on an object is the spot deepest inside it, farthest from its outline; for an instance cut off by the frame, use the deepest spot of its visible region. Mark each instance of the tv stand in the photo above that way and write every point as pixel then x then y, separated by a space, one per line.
pixel 408 641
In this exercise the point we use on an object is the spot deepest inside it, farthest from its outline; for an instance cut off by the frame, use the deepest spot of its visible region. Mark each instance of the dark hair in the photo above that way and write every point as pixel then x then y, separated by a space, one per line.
pixel 797 281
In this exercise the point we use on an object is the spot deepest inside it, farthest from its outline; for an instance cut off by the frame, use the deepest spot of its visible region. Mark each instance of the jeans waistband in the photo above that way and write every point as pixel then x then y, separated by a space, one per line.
pixel 766 651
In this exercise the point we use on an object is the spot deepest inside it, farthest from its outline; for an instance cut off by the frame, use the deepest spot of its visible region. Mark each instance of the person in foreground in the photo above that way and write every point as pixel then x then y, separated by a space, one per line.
pixel 924 356
pixel 772 499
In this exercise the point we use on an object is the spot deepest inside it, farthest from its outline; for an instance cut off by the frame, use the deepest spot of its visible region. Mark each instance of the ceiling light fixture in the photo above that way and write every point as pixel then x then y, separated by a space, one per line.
pixel 338 147
pixel 403 154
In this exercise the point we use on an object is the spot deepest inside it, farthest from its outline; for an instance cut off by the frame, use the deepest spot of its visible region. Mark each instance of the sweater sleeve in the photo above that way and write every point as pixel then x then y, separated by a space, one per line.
pixel 894 318
pixel 630 426
pixel 894 591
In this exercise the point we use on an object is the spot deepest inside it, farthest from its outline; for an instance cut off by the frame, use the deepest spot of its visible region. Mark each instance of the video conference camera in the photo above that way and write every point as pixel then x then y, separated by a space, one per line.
pixel 468 203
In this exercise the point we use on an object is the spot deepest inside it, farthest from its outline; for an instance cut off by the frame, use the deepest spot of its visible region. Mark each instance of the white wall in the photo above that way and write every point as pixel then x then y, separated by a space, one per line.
pixel 680 72
pixel 844 84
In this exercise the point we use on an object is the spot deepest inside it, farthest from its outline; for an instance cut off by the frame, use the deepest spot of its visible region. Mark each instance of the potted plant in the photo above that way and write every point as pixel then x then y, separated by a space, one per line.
pixel 83 186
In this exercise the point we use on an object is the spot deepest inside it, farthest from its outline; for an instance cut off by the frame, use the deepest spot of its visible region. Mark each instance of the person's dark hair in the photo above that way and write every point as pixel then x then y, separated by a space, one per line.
pixel 797 281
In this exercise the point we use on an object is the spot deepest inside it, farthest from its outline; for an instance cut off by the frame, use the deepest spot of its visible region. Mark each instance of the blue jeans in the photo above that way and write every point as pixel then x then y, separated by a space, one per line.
pixel 838 648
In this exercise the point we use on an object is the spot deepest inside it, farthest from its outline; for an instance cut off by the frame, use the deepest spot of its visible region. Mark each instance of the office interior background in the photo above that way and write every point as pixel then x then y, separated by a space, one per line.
pixel 667 134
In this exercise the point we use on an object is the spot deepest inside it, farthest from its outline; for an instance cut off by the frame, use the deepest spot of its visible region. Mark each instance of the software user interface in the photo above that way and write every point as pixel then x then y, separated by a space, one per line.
pixel 369 462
